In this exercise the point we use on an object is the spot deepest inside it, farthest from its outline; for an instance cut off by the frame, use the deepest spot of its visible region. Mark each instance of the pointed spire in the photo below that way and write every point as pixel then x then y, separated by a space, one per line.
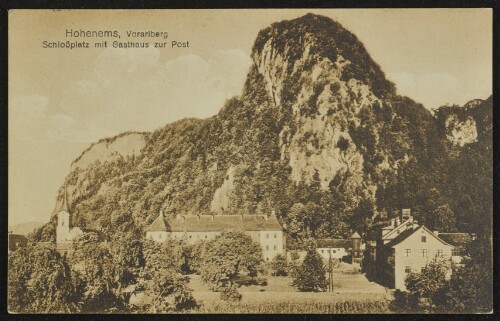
pixel 65 206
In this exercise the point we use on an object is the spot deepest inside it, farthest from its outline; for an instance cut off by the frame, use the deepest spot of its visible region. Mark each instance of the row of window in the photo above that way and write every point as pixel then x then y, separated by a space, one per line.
pixel 267 235
pixel 423 252
pixel 329 251
pixel 408 269
pixel 275 247
pixel 198 236
pixel 160 236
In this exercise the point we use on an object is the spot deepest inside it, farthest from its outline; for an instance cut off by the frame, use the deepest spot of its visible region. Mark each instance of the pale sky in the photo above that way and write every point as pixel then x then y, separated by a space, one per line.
pixel 61 100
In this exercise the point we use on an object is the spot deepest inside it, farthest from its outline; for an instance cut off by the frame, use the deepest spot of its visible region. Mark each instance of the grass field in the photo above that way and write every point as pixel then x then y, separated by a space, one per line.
pixel 352 294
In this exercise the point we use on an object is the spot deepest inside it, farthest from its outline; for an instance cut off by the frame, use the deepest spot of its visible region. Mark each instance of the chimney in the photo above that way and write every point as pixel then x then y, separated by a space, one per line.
pixel 241 217
pixel 393 222
pixel 162 214
pixel 406 213
pixel 273 213
pixel 177 216
pixel 436 233
pixel 212 217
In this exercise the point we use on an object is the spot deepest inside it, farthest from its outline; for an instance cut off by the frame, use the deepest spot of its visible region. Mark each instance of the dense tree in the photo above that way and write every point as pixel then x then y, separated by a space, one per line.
pixel 229 254
pixel 427 284
pixel 310 276
pixel 470 289
pixel 101 277
pixel 279 265
pixel 41 281
pixel 168 292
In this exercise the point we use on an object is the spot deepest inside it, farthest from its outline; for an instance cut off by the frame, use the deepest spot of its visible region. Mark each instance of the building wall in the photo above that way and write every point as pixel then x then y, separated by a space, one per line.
pixel 272 244
pixel 415 260
pixel 193 237
pixel 62 230
pixel 158 236
pixel 333 252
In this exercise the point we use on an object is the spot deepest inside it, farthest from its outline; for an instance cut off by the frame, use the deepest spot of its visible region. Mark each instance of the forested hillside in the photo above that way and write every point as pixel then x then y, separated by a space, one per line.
pixel 318 134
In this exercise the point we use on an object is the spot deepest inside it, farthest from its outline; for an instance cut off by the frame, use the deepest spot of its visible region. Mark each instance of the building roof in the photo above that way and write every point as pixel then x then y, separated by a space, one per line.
pixel 406 223
pixel 457 239
pixel 157 225
pixel 407 233
pixel 214 223
pixel 355 235
pixel 333 243
pixel 65 203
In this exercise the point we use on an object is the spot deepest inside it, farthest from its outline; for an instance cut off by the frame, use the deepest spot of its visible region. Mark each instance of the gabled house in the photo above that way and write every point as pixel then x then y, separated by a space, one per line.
pixel 401 247
pixel 411 251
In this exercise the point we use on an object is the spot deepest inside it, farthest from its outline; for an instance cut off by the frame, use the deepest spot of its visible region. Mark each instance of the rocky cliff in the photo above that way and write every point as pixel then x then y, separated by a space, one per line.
pixel 317 124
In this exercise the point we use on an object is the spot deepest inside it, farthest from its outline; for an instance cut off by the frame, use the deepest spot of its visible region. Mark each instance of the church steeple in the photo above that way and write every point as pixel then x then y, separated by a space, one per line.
pixel 65 206
pixel 63 220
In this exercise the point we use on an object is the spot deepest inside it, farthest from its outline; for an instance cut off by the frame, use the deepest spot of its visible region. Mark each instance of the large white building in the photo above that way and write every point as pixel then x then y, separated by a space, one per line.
pixel 263 229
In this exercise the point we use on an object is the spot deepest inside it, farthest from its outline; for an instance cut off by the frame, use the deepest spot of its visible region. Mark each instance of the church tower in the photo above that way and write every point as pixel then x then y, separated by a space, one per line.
pixel 63 220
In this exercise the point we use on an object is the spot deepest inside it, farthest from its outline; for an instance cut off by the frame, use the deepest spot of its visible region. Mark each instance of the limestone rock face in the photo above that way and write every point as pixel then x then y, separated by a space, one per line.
pixel 127 144
pixel 320 91
pixel 461 132
pixel 222 195
pixel 316 120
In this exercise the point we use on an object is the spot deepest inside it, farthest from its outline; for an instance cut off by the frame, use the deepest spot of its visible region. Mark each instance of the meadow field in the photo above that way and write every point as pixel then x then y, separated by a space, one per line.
pixel 352 293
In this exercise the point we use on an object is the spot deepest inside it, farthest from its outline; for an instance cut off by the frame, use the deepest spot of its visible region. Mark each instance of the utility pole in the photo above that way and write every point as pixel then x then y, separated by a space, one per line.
pixel 330 271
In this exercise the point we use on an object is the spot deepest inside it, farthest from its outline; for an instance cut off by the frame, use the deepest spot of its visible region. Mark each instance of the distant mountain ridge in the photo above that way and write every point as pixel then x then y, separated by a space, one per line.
pixel 318 134
pixel 25 228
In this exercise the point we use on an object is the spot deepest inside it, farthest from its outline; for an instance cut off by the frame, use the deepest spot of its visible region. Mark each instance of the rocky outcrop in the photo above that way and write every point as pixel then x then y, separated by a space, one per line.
pixel 123 145
pixel 461 132
pixel 316 110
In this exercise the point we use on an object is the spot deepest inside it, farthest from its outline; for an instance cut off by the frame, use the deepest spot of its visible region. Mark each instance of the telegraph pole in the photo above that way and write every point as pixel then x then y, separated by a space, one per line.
pixel 330 271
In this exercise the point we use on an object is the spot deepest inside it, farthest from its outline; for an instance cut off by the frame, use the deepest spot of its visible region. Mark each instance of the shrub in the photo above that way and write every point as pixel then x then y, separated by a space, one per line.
pixel 310 276
pixel 279 265
pixel 230 293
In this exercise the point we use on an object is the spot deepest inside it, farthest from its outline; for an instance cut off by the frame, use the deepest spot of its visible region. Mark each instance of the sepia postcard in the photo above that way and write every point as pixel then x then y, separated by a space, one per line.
pixel 320 161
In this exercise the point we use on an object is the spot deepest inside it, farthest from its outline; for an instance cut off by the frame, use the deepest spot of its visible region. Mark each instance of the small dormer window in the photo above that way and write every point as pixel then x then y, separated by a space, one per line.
pixel 424 238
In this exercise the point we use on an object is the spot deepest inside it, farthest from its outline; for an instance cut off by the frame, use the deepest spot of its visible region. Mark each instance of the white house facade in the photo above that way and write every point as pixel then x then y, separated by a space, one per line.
pixel 263 229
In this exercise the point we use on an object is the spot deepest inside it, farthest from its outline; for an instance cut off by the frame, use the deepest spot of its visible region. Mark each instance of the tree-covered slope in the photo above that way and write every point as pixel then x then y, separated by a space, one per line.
pixel 318 134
